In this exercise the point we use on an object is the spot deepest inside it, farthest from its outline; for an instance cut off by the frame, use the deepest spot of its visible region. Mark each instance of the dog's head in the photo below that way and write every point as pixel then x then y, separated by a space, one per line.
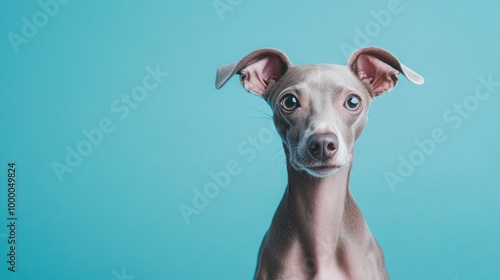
pixel 321 109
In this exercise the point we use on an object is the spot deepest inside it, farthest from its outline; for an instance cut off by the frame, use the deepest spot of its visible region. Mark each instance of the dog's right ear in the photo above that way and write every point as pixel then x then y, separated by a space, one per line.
pixel 378 69
pixel 256 70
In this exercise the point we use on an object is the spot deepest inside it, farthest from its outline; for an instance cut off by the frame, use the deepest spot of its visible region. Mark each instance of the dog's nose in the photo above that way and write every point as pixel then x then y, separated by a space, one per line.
pixel 322 146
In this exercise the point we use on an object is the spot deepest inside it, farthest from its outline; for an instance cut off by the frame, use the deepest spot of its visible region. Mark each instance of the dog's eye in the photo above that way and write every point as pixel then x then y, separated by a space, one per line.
pixel 289 102
pixel 352 103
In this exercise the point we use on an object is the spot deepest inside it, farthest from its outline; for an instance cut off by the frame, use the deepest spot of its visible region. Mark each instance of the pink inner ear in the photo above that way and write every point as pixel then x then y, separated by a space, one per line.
pixel 256 76
pixel 272 70
pixel 380 76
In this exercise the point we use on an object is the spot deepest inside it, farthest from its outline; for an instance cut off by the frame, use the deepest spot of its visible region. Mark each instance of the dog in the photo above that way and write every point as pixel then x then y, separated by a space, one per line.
pixel 319 110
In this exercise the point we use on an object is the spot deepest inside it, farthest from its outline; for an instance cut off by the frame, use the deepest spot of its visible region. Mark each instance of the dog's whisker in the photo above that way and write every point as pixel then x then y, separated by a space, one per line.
pixel 281 158
pixel 256 117
pixel 258 110
pixel 279 149
pixel 370 114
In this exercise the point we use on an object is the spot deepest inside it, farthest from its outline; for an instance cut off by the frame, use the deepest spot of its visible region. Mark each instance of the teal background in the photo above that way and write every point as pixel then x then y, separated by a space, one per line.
pixel 116 215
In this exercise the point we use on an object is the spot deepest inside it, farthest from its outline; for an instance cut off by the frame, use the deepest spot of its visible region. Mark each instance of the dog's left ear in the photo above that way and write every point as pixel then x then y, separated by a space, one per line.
pixel 378 69
pixel 256 70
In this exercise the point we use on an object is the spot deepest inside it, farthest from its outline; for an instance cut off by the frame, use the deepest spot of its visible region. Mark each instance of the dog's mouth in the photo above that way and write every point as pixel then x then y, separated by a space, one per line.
pixel 323 168
pixel 321 171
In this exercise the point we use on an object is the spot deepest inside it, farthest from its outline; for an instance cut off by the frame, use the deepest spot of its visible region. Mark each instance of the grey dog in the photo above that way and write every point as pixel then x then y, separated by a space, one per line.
pixel 319 110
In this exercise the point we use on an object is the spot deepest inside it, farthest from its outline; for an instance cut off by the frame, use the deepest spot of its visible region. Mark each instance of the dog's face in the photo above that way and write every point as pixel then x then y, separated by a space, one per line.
pixel 319 110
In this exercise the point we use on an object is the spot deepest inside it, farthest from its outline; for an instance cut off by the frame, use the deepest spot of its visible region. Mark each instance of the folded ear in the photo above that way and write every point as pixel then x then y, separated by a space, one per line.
pixel 379 69
pixel 256 70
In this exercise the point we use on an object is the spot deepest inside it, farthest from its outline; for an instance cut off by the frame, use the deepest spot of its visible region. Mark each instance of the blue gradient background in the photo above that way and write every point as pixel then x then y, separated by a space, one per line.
pixel 119 207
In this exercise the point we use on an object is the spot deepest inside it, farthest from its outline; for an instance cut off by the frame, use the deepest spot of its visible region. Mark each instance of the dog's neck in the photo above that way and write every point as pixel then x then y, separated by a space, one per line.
pixel 317 208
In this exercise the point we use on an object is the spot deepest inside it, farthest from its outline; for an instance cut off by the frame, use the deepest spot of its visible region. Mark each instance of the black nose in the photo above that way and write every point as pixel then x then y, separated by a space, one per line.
pixel 322 146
